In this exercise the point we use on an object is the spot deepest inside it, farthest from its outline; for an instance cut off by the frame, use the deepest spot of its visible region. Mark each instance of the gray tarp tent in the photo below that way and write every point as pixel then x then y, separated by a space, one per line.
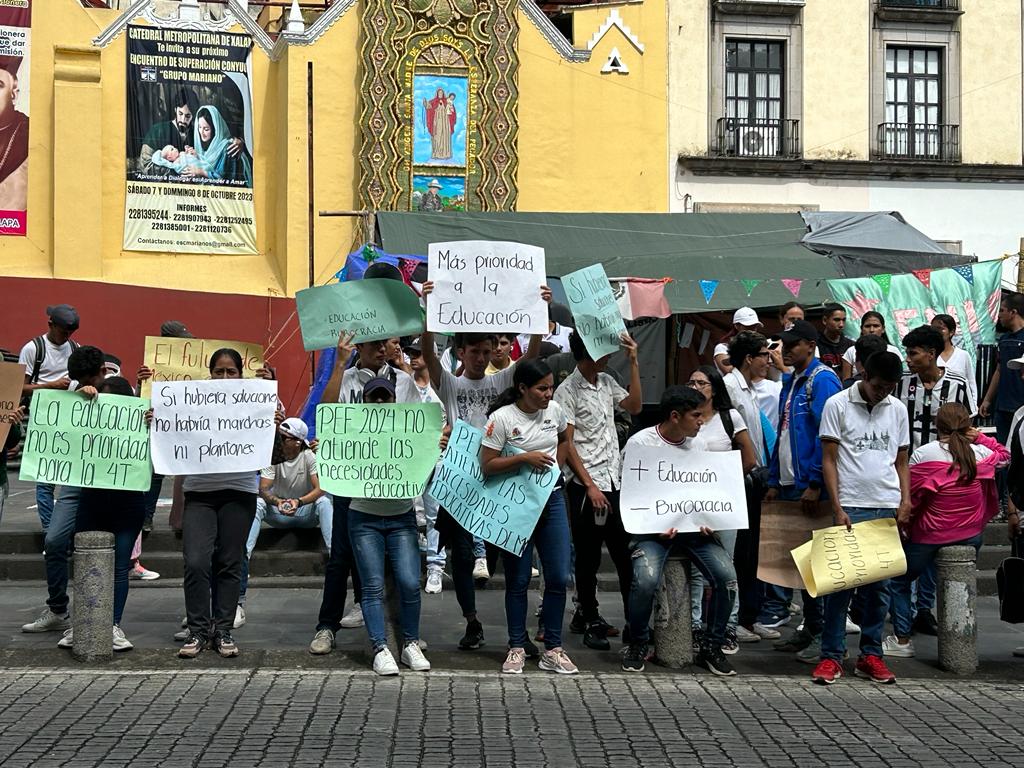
pixel 690 247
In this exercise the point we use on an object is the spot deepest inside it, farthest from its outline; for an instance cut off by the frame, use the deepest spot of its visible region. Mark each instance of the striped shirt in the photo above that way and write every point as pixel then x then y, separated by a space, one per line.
pixel 923 404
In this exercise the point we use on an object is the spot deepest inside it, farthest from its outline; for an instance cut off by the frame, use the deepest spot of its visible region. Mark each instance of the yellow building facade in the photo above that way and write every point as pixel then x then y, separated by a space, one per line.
pixel 589 121
pixel 915 106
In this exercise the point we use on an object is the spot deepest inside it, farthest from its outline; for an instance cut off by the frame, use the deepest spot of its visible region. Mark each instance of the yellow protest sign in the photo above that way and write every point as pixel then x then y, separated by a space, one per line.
pixel 175 359
pixel 837 559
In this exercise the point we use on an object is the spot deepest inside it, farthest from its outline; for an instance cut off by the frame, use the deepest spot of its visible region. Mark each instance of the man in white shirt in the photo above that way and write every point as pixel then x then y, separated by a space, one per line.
pixel 681 420
pixel 589 397
pixel 744 319
pixel 46 367
pixel 865 434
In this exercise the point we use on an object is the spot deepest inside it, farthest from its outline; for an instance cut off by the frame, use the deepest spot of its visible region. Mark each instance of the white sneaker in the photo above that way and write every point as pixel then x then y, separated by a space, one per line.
pixel 141 572
pixel 239 617
pixel 433 585
pixel 744 635
pixel 121 643
pixel 67 640
pixel 323 642
pixel 480 572
pixel 851 628
pixel 48 621
pixel 384 663
pixel 354 618
pixel 766 633
pixel 414 659
pixel 182 635
pixel 891 646
pixel 558 662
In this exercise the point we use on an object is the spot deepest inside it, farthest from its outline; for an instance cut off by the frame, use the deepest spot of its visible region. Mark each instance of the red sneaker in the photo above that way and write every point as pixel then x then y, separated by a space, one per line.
pixel 874 669
pixel 827 672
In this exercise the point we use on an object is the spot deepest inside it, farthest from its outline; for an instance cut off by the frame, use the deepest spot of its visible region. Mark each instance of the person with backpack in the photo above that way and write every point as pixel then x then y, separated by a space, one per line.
pixel 46 367
pixel 795 470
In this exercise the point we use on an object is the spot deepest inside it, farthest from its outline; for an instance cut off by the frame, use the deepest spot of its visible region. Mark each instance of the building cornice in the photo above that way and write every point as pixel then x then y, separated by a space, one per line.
pixel 550 33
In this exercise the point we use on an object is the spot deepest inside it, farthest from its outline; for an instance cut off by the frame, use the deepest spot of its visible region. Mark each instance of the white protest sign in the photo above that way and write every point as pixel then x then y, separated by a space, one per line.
pixel 481 285
pixel 664 487
pixel 207 427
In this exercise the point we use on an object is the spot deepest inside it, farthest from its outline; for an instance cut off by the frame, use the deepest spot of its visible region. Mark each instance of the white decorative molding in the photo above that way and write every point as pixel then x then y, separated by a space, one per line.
pixel 296 24
pixel 615 20
pixel 615 64
pixel 550 32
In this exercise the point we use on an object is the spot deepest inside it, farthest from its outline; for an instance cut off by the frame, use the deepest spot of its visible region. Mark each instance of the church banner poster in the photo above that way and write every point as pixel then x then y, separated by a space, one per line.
pixel 189 150
pixel 15 37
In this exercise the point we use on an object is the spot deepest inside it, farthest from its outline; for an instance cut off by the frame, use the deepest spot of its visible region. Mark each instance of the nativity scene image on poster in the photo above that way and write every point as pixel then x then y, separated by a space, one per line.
pixel 189 142
pixel 440 120
pixel 15 34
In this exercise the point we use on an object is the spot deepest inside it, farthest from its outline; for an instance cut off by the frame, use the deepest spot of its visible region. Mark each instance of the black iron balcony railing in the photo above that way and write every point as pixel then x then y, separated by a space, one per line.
pixel 750 137
pixel 939 5
pixel 907 141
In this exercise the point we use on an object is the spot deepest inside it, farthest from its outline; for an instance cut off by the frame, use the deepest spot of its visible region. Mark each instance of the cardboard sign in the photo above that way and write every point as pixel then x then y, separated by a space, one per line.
pixel 836 559
pixel 174 359
pixel 784 527
pixel 12 379
pixel 486 286
pixel 371 309
pixel 208 427
pixel 101 442
pixel 382 451
pixel 501 509
pixel 664 487
pixel 595 310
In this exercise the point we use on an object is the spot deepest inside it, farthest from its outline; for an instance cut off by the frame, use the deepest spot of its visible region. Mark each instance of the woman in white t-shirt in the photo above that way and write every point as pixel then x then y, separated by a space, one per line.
pixel 871 324
pixel 956 360
pixel 723 430
pixel 524 417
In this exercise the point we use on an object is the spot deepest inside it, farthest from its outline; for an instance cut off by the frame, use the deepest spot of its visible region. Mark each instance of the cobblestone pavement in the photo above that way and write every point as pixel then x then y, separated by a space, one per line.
pixel 281 718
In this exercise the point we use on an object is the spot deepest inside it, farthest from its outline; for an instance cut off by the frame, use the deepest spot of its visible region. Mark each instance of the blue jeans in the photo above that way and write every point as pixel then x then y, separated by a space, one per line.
pixel 551 538
pixel 44 503
pixel 920 560
pixel 318 514
pixel 121 513
pixel 728 539
pixel 874 605
pixel 57 545
pixel 375 538
pixel 777 599
pixel 708 554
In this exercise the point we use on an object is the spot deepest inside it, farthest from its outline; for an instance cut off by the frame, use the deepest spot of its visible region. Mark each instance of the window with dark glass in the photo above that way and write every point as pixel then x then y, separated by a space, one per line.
pixel 913 104
pixel 754 104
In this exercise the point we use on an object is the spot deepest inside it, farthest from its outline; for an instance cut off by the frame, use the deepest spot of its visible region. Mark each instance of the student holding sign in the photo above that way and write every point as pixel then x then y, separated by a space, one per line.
pixel 219 510
pixel 865 435
pixel 680 422
pixel 524 417
pixel 589 397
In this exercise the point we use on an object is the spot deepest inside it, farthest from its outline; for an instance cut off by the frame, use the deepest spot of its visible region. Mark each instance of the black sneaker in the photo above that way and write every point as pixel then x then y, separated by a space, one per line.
pixel 596 636
pixel 714 661
pixel 224 644
pixel 795 642
pixel 473 638
pixel 634 657
pixel 531 650
pixel 925 623
pixel 578 625
pixel 194 645
pixel 698 638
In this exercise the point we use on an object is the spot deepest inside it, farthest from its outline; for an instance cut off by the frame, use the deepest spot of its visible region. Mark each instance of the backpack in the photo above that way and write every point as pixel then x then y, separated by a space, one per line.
pixel 40 350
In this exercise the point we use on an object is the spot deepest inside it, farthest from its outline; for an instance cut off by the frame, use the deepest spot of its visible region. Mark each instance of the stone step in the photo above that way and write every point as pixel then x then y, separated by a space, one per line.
pixel 164 539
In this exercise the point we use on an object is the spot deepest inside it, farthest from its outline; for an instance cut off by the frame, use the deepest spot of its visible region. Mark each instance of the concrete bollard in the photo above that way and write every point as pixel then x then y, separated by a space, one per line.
pixel 93 610
pixel 957 618
pixel 673 634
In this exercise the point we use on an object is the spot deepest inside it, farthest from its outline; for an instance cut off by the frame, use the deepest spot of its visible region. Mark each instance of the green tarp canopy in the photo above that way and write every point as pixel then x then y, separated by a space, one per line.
pixel 690 247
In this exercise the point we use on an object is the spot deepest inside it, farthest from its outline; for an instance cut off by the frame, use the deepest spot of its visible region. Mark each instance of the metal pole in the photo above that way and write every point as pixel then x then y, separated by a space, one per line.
pixel 1020 267
pixel 93 614
pixel 310 195
pixel 957 598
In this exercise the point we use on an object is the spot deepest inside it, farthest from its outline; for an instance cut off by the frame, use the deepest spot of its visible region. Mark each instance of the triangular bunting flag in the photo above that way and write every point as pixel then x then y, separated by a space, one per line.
pixel 884 281
pixel 750 285
pixel 708 288
pixel 966 272
pixel 925 276
pixel 793 284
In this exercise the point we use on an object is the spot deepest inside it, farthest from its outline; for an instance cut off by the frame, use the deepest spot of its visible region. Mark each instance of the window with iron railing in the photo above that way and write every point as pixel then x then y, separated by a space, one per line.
pixel 755 124
pixel 943 5
pixel 914 127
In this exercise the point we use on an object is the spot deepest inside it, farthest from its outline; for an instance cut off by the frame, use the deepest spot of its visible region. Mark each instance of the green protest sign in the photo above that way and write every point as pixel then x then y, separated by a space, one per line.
pixel 97 443
pixel 384 451
pixel 969 293
pixel 595 310
pixel 371 309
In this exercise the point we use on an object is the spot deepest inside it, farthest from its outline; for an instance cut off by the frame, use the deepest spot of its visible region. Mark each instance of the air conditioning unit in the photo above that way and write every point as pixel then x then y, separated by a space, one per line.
pixel 762 141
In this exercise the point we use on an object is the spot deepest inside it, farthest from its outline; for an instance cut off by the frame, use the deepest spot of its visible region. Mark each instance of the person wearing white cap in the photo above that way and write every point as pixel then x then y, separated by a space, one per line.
pixel 290 497
pixel 743 319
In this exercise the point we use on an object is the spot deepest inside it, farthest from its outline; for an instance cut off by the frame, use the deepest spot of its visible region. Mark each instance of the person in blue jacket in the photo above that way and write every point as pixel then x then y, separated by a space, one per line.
pixel 795 469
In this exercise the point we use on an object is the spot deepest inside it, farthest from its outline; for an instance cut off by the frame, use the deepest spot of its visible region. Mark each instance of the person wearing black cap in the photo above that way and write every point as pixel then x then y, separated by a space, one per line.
pixel 795 472
pixel 46 367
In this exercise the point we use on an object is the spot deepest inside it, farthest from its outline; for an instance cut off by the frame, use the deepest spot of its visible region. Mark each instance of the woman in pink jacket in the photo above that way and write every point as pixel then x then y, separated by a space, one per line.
pixel 953 496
